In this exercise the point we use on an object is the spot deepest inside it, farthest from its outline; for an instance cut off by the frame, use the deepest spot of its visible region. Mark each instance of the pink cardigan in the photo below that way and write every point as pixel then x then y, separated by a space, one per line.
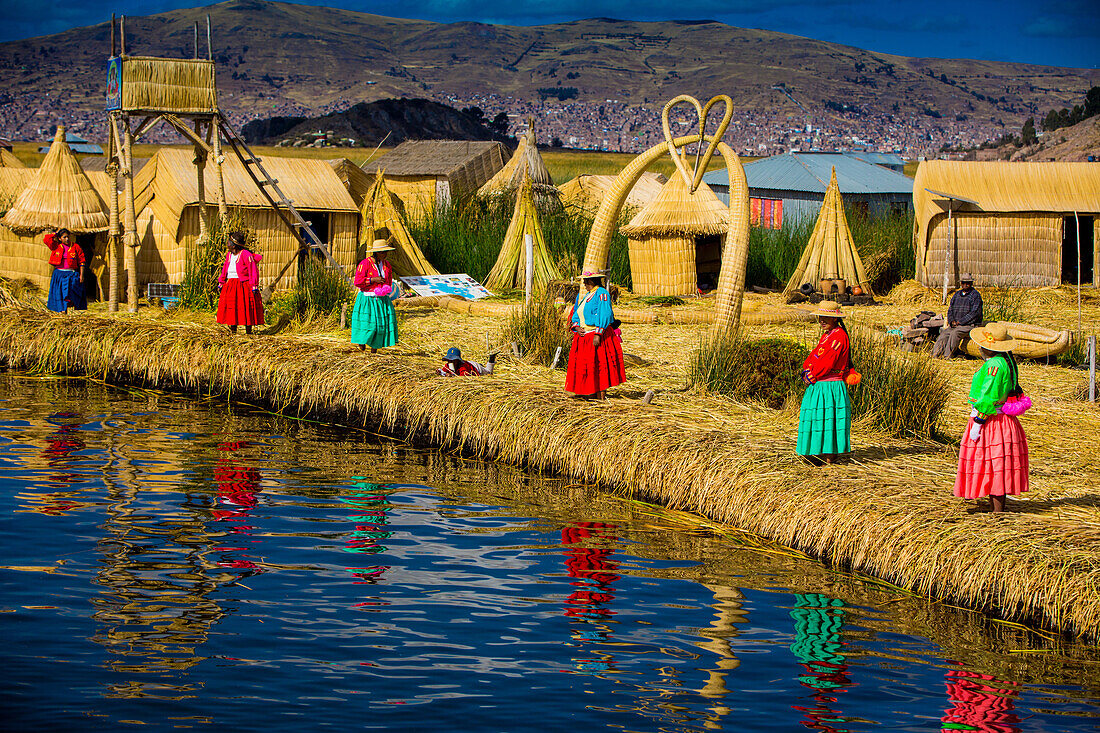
pixel 368 269
pixel 248 268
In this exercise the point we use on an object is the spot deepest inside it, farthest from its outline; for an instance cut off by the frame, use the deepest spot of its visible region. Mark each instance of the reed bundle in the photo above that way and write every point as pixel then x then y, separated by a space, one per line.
pixel 60 195
pixel 888 513
pixel 509 271
pixel 831 253
pixel 383 218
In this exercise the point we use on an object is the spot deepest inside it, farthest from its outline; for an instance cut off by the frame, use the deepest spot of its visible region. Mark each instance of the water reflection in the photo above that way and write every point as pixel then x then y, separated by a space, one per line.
pixel 729 613
pixel 980 702
pixel 371 508
pixel 60 446
pixel 818 622
pixel 238 494
pixel 588 560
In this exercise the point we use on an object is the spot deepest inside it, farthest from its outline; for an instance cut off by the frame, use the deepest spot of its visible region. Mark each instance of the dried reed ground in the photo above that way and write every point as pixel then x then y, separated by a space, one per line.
pixel 889 512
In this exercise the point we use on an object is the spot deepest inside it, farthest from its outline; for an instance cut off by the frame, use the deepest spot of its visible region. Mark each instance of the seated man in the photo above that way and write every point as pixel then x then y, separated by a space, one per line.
pixel 455 366
pixel 964 313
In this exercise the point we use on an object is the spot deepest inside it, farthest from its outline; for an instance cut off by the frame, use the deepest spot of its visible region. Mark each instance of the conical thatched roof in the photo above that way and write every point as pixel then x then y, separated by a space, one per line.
pixel 585 193
pixel 510 269
pixel 8 160
pixel 677 212
pixel 830 252
pixel 525 161
pixel 381 211
pixel 60 195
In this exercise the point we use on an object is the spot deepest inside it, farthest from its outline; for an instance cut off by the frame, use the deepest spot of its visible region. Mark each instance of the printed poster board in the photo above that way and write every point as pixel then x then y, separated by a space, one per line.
pixel 114 83
pixel 460 284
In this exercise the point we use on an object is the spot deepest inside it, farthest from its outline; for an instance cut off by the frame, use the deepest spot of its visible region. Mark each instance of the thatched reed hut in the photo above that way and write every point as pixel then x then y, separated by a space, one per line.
pixel 510 269
pixel 8 159
pixel 356 180
pixel 428 174
pixel 57 194
pixel 1010 224
pixel 830 258
pixel 382 217
pixel 583 194
pixel 676 241
pixel 167 195
pixel 525 164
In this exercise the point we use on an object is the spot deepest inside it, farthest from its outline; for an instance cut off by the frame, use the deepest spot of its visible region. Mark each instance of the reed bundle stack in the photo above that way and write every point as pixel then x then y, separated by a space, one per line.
pixel 525 164
pixel 1007 223
pixel 60 195
pixel 830 254
pixel 734 464
pixel 510 269
pixel 381 218
pixel 583 194
pixel 677 239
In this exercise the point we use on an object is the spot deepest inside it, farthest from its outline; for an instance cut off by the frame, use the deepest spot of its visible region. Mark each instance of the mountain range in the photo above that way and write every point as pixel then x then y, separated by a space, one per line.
pixel 279 58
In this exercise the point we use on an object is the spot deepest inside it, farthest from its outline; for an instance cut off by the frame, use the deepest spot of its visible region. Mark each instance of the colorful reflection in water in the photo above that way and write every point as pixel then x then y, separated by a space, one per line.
pixel 175 564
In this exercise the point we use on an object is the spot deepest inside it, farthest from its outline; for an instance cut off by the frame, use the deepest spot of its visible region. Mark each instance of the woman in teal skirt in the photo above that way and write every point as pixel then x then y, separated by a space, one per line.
pixel 825 419
pixel 374 320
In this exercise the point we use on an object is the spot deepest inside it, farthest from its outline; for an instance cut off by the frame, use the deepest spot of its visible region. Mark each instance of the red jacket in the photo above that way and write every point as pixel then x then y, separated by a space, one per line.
pixel 830 359
pixel 61 256
pixel 248 268
pixel 367 269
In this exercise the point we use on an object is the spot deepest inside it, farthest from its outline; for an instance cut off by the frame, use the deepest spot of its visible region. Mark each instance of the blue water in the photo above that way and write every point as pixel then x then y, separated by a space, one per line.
pixel 178 563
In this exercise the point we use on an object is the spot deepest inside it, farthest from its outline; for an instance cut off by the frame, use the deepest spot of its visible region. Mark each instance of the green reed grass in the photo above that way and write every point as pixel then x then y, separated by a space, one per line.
pixel 1005 303
pixel 321 290
pixel 761 370
pixel 467 236
pixel 540 330
pixel 203 261
pixel 900 393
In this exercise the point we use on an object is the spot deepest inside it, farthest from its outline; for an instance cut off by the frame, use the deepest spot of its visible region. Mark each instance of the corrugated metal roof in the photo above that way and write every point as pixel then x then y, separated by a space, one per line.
pixel 888 159
pixel 811 171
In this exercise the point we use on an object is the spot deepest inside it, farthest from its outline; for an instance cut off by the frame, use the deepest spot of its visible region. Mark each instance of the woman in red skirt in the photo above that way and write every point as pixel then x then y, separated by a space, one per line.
pixel 239 302
pixel 993 452
pixel 596 356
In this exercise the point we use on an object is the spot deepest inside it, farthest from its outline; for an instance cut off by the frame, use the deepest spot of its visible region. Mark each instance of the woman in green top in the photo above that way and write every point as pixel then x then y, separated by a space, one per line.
pixel 993 452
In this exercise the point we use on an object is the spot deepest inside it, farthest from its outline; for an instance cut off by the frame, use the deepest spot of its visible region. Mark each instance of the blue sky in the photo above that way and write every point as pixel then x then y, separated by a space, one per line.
pixel 1057 32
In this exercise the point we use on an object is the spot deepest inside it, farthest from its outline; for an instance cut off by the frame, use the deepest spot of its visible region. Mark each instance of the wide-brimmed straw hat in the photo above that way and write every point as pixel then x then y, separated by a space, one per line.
pixel 829 309
pixel 380 245
pixel 993 336
pixel 592 275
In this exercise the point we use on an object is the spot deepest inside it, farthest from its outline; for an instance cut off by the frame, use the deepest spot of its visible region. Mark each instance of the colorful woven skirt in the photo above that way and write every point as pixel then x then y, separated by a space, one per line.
pixel 239 305
pixel 997 464
pixel 373 322
pixel 66 291
pixel 593 369
pixel 825 420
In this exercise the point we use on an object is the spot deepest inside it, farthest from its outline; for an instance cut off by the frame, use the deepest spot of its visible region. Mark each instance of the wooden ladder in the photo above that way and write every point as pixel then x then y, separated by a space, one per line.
pixel 283 206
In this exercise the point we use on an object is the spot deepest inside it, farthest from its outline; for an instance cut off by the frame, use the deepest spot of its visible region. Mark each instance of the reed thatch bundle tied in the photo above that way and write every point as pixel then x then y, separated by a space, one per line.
pixel 8 160
pixel 526 162
pixel 184 86
pixel 382 218
pixel 60 195
pixel 830 253
pixel 678 212
pixel 510 269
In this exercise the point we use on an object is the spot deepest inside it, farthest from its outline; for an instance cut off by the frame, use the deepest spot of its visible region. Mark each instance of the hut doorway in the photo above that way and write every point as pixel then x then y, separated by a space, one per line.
pixel 88 243
pixel 708 262
pixel 1072 229
pixel 319 222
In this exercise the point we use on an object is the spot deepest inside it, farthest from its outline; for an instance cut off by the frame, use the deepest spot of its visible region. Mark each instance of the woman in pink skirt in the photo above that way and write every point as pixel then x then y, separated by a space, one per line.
pixel 993 453
pixel 239 301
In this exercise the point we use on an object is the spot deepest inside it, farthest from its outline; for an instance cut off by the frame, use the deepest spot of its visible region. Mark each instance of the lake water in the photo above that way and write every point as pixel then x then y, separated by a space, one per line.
pixel 176 563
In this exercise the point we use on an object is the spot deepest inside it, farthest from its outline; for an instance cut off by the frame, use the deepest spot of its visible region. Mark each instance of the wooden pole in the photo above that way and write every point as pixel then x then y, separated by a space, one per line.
pixel 129 239
pixel 947 249
pixel 209 45
pixel 196 40
pixel 114 42
pixel 1092 368
pixel 529 277
pixel 122 35
pixel 200 183
pixel 219 179
pixel 112 202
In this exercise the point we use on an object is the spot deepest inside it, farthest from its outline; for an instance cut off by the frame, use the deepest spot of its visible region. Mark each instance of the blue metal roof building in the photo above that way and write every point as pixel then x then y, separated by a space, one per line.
pixel 792 186
pixel 887 160
pixel 77 144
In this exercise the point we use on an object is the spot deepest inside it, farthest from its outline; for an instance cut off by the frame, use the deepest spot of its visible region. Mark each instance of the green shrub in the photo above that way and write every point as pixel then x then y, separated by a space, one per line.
pixel 763 370
pixel 901 393
pixel 539 329
pixel 320 289
pixel 1077 355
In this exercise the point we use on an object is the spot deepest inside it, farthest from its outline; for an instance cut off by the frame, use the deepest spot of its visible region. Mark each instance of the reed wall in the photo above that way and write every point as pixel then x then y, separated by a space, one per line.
pixel 1011 250
pixel 663 265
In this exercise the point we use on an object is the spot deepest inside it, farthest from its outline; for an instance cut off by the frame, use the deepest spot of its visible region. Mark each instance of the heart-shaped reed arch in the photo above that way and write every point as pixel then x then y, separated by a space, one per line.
pixel 735 247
